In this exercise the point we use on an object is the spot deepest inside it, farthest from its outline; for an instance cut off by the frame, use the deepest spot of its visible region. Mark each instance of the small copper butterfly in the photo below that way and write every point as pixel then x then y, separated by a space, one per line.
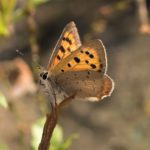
pixel 76 68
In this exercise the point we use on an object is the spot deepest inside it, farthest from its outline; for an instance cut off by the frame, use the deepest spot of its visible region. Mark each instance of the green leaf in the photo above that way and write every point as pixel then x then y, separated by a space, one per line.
pixel 3 101
pixel 11 6
pixel 57 142
pixel 6 16
pixel 66 144
pixel 57 138
pixel 36 131
pixel 3 5
pixel 3 146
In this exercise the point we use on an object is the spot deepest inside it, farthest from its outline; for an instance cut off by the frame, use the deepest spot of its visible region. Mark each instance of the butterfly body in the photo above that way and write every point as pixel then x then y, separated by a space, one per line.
pixel 78 69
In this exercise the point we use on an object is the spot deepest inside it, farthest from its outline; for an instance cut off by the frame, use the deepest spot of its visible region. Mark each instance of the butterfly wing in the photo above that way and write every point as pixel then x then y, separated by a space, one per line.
pixel 68 42
pixel 91 56
pixel 87 75
pixel 91 85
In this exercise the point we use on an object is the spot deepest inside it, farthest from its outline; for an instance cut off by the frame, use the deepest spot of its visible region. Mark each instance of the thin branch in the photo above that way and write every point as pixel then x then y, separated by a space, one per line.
pixel 51 121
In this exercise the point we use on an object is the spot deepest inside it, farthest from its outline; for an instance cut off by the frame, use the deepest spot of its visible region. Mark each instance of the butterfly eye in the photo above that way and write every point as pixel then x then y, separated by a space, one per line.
pixel 45 75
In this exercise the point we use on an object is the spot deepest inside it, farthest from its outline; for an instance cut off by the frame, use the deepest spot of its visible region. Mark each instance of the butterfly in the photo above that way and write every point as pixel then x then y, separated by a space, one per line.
pixel 78 69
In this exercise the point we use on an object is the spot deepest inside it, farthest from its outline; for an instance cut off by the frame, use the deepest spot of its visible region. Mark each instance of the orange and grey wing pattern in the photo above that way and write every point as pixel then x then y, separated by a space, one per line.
pixel 91 56
pixel 87 85
pixel 68 42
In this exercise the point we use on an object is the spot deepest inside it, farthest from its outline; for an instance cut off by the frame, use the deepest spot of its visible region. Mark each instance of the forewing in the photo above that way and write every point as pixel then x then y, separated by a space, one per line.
pixel 89 57
pixel 68 42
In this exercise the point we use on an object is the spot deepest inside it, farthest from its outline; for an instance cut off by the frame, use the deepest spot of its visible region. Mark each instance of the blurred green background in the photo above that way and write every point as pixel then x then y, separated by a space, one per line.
pixel 29 30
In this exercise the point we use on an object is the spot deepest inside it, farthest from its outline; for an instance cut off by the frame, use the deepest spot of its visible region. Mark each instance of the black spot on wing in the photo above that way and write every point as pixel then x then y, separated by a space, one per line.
pixel 69 65
pixel 68 40
pixel 69 49
pixel 91 56
pixel 58 57
pixel 87 61
pixel 62 49
pixel 87 53
pixel 93 66
pixel 76 59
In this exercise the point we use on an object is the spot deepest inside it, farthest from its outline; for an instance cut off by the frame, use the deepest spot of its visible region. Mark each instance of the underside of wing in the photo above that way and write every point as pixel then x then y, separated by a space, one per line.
pixel 91 56
pixel 68 42
pixel 87 85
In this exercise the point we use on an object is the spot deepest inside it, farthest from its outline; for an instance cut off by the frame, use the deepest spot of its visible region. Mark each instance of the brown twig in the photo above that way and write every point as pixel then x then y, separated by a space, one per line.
pixel 51 121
